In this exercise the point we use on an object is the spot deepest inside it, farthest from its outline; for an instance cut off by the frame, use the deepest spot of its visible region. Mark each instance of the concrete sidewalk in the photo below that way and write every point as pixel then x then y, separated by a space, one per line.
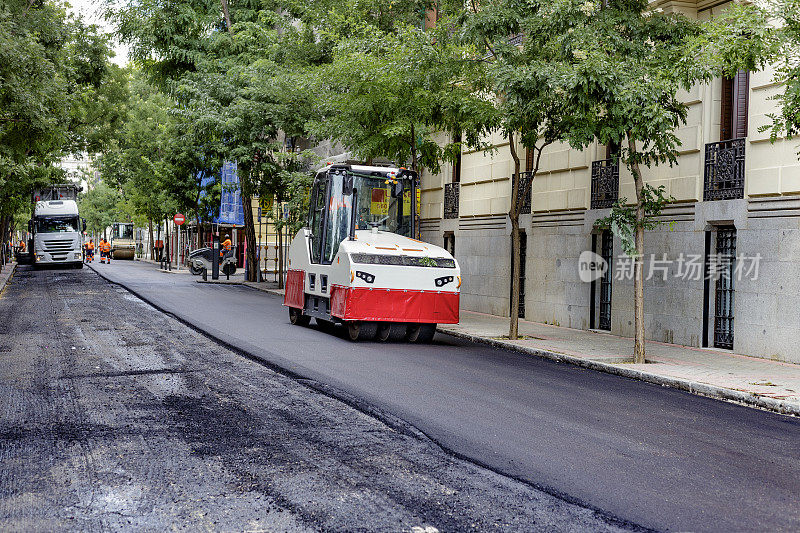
pixel 157 264
pixel 719 374
pixel 6 273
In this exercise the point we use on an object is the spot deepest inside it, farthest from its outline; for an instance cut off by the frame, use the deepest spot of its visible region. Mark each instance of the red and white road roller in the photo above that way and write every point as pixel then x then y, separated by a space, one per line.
pixel 357 263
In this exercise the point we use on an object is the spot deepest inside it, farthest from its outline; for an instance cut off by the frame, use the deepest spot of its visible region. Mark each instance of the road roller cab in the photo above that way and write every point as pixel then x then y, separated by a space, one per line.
pixel 358 264
pixel 123 245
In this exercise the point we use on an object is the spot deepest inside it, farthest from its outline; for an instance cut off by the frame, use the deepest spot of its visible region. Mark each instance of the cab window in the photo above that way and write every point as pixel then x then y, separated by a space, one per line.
pixel 317 218
pixel 338 227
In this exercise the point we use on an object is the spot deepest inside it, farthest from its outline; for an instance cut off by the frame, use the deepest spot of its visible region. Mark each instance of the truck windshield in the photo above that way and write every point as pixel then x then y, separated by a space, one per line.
pixel 56 224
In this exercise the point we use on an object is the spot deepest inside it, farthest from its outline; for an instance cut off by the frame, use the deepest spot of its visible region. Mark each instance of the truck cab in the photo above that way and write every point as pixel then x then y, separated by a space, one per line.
pixel 57 233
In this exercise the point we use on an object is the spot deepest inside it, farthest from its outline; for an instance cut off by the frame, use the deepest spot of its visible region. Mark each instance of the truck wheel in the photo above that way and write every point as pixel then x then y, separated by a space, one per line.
pixel 196 271
pixel 361 331
pixel 391 332
pixel 421 333
pixel 297 318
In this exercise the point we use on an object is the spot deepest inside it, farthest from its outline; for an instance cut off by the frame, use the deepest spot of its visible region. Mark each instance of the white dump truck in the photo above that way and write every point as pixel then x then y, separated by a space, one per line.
pixel 56 227
pixel 358 264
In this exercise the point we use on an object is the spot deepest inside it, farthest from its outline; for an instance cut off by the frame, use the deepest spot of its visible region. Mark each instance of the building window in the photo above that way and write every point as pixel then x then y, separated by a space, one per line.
pixel 600 315
pixel 457 163
pixel 724 265
pixel 733 106
pixel 607 253
pixel 451 194
pixel 605 183
pixel 450 243
pixel 724 171
pixel 724 161
pixel 720 268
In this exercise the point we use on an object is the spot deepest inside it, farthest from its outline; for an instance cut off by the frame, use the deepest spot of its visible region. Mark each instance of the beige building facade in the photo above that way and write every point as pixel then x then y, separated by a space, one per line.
pixel 724 269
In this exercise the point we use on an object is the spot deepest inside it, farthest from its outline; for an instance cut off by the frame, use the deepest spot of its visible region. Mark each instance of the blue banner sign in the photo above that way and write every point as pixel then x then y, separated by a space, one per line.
pixel 231 211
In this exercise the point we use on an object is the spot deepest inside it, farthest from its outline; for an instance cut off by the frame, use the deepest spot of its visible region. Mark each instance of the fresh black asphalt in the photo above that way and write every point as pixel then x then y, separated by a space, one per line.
pixel 654 456
pixel 115 416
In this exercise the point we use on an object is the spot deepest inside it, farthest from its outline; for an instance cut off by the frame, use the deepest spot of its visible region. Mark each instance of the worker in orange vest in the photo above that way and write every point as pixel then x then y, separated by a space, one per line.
pixel 107 250
pixel 226 246
pixel 103 252
pixel 90 251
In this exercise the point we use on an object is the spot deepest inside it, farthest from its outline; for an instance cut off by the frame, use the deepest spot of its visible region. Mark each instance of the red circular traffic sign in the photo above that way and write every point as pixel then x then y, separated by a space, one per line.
pixel 179 219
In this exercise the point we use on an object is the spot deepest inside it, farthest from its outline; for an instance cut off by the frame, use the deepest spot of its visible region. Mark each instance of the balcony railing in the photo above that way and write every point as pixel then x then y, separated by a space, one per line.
pixel 605 183
pixel 451 191
pixel 524 188
pixel 515 39
pixel 724 173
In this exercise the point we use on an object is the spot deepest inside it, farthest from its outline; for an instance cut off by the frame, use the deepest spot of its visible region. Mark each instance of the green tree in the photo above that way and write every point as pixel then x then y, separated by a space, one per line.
pixel 99 206
pixel 134 162
pixel 532 81
pixel 231 83
pixel 630 64
pixel 386 93
pixel 49 63
pixel 787 121
pixel 750 36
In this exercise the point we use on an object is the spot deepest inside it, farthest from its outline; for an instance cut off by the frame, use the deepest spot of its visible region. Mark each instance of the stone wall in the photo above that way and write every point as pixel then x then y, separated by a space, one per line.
pixel 766 317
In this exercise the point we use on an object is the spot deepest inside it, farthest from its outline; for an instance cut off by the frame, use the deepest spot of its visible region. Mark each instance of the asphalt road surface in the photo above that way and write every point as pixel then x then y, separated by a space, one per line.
pixel 635 453
pixel 650 455
pixel 114 416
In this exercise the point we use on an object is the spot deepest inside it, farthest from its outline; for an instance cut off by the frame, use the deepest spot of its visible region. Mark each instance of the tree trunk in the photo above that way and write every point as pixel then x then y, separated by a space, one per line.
pixel 413 145
pixel 251 273
pixel 166 253
pixel 3 239
pixel 280 257
pixel 638 289
pixel 226 14
pixel 638 274
pixel 513 214
pixel 513 327
pixel 152 243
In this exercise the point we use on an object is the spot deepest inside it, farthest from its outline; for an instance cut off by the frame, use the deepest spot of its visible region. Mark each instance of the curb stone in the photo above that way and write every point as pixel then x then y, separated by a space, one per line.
pixel 693 387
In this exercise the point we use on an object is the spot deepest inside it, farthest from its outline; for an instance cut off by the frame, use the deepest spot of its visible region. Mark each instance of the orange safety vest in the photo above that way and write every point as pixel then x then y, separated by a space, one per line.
pixel 106 247
pixel 90 246
pixel 227 244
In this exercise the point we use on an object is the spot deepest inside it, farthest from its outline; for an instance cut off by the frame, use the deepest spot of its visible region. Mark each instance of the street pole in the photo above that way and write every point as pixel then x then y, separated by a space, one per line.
pixel 178 250
pixel 215 257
